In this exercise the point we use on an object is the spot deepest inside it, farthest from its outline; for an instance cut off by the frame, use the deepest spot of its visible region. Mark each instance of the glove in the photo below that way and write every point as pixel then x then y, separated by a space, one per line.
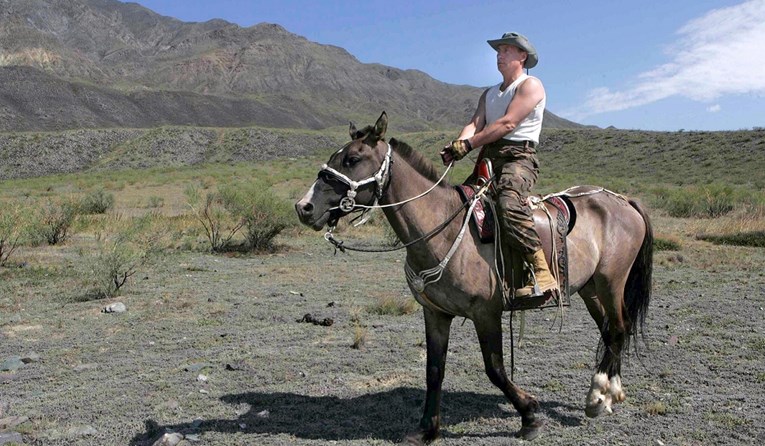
pixel 456 150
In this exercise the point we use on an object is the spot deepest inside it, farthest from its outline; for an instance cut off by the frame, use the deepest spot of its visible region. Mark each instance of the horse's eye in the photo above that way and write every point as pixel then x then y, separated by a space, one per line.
pixel 350 162
pixel 327 178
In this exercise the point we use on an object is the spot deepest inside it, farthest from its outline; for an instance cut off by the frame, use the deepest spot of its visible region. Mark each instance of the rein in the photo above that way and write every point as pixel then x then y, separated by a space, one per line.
pixel 418 281
pixel 339 244
pixel 382 178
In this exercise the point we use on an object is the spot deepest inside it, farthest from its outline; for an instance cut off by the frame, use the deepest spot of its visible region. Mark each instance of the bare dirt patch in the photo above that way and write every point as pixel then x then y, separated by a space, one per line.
pixel 270 380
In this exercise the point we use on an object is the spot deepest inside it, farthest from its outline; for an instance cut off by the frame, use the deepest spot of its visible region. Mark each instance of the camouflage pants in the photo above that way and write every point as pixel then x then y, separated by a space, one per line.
pixel 517 169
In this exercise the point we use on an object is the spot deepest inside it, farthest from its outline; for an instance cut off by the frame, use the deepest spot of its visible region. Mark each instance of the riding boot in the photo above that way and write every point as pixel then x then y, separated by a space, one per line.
pixel 542 281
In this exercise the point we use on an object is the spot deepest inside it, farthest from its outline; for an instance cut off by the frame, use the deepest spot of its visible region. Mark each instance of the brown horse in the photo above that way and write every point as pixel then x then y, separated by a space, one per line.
pixel 610 258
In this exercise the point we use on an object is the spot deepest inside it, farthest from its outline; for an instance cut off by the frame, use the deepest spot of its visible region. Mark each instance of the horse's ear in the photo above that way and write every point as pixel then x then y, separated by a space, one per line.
pixel 381 126
pixel 352 131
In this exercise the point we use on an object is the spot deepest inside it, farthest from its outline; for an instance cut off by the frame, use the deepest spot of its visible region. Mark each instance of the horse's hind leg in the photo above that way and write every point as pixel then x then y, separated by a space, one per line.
pixel 607 310
pixel 437 327
pixel 490 336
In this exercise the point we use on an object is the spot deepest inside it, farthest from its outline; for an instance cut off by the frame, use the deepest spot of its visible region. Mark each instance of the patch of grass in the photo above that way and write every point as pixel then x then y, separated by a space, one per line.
pixel 359 336
pixel 155 202
pixel 666 243
pixel 393 306
pixel 206 322
pixel 725 419
pixel 757 345
pixel 672 258
pixel 754 239
pixel 554 386
pixel 97 202
pixel 706 201
pixel 655 408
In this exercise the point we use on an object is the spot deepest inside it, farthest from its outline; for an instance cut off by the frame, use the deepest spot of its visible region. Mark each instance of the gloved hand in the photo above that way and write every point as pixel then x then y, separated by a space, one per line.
pixel 456 150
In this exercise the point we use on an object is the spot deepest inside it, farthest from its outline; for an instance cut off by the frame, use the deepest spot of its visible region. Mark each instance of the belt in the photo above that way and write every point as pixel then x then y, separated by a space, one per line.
pixel 507 142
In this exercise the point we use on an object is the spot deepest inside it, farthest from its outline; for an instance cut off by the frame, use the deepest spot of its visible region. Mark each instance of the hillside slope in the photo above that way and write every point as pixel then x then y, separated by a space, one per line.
pixel 102 63
pixel 577 156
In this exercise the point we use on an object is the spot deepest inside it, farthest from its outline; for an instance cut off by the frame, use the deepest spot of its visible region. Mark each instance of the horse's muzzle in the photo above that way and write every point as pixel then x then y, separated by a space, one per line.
pixel 305 211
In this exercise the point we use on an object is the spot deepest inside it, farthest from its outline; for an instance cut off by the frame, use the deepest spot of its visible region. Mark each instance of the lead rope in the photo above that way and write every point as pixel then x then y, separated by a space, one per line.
pixel 499 270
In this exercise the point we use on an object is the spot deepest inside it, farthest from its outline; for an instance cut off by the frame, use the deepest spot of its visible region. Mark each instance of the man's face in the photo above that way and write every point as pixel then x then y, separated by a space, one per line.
pixel 508 56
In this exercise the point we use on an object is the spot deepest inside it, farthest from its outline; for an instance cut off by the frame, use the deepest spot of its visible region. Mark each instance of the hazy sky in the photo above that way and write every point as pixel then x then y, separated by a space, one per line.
pixel 634 64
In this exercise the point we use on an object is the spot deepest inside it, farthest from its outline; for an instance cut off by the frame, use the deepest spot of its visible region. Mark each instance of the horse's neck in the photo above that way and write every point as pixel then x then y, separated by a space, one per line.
pixel 417 218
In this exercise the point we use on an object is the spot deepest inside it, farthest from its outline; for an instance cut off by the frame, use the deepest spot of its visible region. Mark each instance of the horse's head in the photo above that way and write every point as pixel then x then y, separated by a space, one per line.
pixel 354 175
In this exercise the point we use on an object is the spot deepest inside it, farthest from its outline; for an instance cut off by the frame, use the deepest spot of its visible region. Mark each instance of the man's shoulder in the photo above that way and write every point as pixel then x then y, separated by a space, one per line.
pixel 531 83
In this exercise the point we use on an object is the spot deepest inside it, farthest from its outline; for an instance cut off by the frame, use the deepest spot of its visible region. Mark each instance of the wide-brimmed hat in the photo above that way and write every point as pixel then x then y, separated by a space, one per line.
pixel 520 41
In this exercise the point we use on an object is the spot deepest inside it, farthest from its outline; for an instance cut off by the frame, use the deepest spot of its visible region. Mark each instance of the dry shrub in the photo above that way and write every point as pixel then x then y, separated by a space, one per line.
pixel 96 202
pixel 744 228
pixel 656 408
pixel 393 305
pixel 666 243
pixel 54 221
pixel 210 211
pixel 121 252
pixel 359 337
pixel 13 229
pixel 707 201
pixel 262 214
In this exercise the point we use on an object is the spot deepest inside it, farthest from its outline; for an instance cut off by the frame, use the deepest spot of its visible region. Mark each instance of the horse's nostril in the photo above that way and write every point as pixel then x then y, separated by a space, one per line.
pixel 304 208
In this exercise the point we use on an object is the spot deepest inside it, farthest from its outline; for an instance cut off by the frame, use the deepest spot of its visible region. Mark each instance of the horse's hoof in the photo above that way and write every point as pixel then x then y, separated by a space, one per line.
pixel 411 440
pixel 531 431
pixel 595 411
pixel 419 438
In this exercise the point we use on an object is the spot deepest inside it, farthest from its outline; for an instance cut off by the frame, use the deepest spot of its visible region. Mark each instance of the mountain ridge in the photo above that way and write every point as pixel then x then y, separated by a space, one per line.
pixel 122 65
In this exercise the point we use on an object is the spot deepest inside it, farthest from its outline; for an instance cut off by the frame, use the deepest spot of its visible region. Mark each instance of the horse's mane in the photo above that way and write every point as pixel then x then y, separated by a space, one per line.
pixel 417 160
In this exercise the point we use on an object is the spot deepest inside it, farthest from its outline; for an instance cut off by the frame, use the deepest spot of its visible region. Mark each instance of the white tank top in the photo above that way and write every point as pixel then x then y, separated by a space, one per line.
pixel 496 105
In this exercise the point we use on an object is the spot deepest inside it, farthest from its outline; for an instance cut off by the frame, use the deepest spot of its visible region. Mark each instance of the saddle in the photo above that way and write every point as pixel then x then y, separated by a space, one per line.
pixel 554 218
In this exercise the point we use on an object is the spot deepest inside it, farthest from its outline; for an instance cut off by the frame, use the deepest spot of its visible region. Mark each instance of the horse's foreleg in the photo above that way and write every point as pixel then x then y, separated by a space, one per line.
pixel 490 337
pixel 437 327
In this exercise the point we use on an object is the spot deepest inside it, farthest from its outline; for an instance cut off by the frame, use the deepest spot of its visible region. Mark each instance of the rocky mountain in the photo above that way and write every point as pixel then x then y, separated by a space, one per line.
pixel 68 64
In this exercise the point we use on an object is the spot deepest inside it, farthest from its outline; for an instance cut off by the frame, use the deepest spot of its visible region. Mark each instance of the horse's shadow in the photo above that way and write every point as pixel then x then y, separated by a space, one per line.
pixel 386 415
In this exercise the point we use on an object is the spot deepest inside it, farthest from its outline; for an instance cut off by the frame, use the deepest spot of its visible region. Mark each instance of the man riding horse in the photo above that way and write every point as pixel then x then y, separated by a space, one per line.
pixel 507 123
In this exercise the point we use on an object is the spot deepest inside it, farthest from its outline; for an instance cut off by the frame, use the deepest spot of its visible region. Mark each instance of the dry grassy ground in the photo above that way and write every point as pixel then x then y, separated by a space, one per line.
pixel 271 380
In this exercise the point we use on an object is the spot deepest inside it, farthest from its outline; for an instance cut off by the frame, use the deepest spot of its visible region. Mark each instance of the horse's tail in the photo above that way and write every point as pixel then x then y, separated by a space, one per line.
pixel 637 291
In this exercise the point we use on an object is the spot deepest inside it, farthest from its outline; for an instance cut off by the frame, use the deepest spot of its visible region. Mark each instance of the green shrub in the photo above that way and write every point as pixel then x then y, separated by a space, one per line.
pixel 113 263
pixel 12 229
pixel 155 202
pixel 666 244
pixel 262 214
pixel 96 202
pixel 752 238
pixel 211 213
pixel 119 255
pixel 708 201
pixel 55 221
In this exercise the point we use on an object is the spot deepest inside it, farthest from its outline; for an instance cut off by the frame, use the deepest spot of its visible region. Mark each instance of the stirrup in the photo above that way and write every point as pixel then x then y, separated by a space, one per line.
pixel 535 290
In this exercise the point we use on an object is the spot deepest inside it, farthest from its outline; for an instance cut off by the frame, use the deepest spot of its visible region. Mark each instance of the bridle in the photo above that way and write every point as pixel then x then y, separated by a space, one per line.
pixel 382 178
pixel 348 203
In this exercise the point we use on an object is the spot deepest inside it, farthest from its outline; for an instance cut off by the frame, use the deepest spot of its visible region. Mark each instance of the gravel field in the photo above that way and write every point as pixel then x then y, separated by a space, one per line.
pixel 211 347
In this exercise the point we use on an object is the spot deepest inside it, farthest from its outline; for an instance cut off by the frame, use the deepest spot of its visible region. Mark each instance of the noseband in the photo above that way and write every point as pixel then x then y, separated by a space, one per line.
pixel 348 203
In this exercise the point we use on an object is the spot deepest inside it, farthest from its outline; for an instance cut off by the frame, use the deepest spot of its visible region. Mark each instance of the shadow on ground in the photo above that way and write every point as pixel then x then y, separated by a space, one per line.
pixel 381 416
